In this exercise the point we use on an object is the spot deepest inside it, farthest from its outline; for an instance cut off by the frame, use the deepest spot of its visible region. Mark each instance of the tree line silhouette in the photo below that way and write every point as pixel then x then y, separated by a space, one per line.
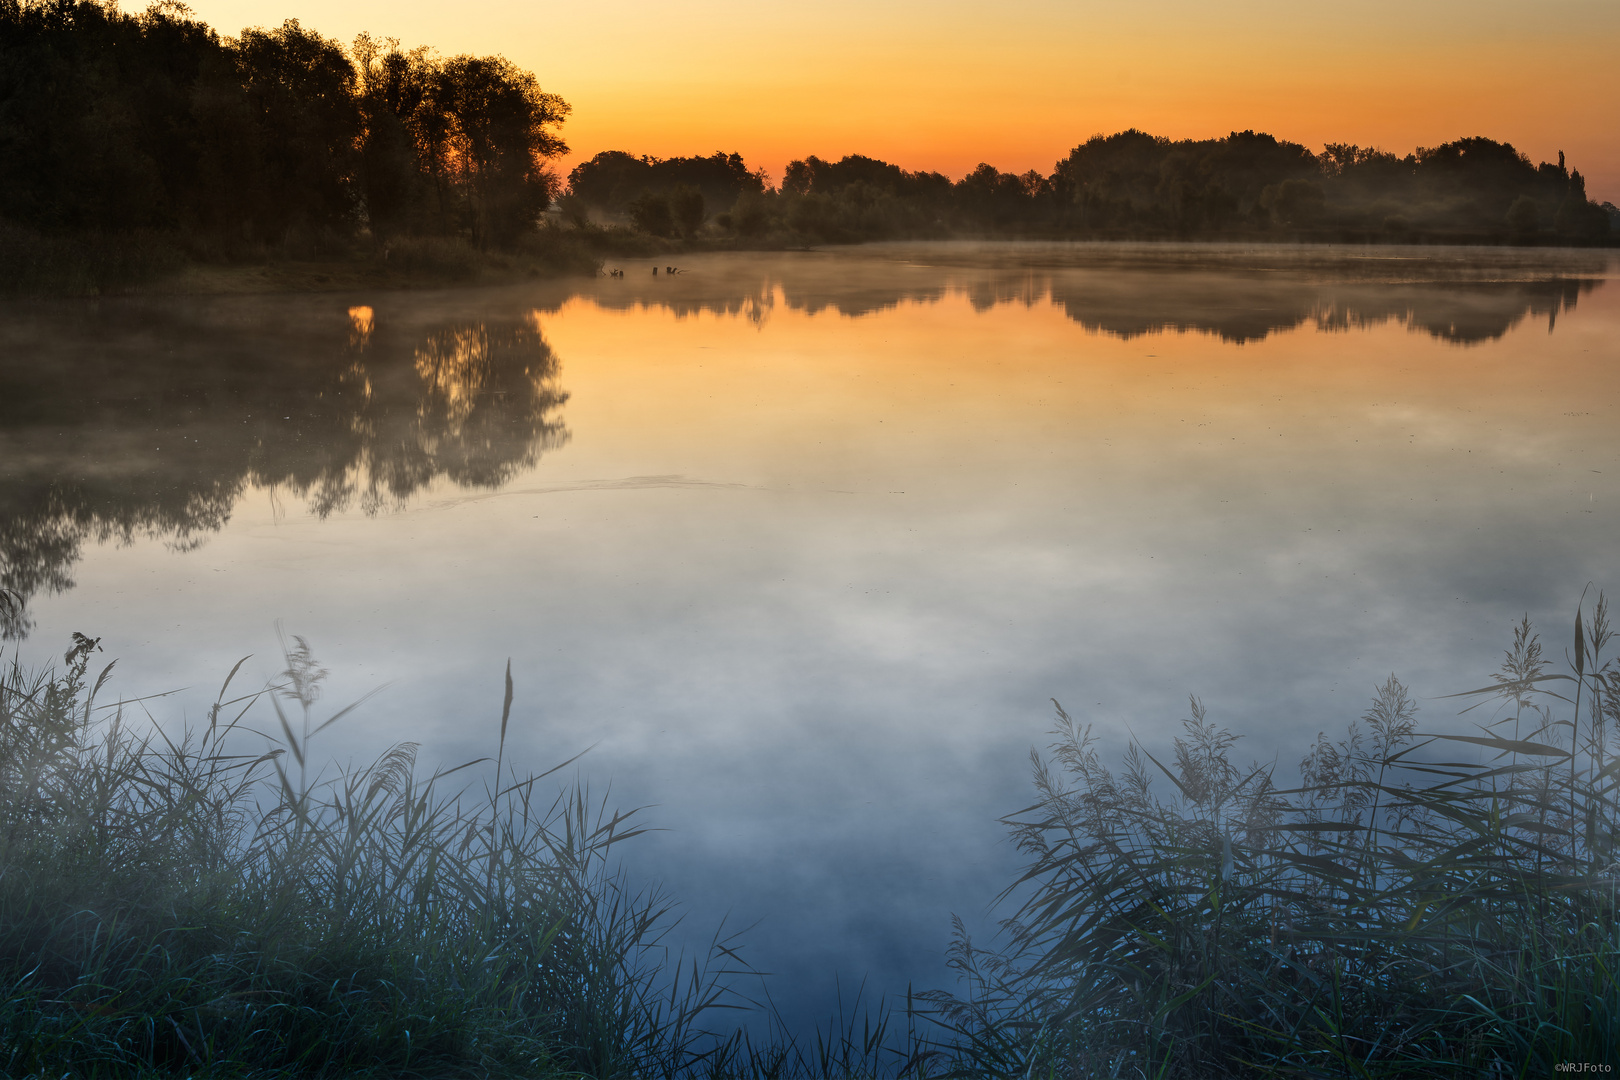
pixel 282 141
pixel 281 138
pixel 1126 185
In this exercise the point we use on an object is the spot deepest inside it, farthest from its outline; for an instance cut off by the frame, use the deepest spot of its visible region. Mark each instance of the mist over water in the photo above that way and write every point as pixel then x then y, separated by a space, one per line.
pixel 801 544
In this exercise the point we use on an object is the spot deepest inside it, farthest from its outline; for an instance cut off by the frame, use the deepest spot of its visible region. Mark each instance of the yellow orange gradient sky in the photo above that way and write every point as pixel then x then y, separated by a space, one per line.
pixel 945 84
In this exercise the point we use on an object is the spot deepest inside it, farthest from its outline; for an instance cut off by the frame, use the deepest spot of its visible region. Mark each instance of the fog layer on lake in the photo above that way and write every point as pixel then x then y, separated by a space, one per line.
pixel 801 545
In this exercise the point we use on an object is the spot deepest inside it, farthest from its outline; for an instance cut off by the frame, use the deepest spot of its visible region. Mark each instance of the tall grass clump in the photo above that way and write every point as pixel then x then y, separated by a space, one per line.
pixel 1418 905
pixel 199 905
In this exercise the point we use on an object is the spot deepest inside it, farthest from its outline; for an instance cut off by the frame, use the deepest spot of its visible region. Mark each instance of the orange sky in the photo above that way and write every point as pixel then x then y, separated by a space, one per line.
pixel 948 83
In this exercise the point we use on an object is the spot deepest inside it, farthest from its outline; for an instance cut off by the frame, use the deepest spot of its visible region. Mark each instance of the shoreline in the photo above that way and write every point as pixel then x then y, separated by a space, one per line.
pixel 63 267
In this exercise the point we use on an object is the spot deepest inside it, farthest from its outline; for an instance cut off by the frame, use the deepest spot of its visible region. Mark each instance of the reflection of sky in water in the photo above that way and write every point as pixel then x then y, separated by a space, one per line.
pixel 807 580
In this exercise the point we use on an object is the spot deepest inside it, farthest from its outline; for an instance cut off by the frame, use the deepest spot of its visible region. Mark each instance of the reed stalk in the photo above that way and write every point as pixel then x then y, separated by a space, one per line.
pixel 212 904
pixel 1405 910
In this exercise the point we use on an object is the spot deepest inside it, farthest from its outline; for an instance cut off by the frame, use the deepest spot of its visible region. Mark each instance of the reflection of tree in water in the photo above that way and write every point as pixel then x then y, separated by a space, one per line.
pixel 1481 312
pixel 136 423
pixel 1237 295
pixel 475 406
pixel 1461 313
pixel 122 421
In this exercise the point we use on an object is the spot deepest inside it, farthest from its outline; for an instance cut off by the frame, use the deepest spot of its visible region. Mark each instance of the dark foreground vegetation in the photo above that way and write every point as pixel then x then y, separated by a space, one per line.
pixel 212 903
pixel 199 905
pixel 1420 905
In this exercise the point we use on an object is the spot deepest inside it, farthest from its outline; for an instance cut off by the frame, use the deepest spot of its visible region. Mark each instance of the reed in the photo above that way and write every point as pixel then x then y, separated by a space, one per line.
pixel 191 906
pixel 1419 905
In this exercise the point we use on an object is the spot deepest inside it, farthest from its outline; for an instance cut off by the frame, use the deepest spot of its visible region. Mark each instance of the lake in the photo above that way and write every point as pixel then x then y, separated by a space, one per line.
pixel 801 545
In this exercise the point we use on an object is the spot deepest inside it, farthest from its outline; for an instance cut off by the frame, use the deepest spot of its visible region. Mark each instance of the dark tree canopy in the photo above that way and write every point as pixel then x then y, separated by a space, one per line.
pixel 112 122
pixel 497 142
pixel 1248 185
pixel 613 180
pixel 301 127
pixel 1248 181
pixel 116 125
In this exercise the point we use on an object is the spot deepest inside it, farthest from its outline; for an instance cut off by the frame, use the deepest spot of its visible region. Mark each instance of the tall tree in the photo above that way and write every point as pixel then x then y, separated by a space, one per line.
pixel 497 145
pixel 301 102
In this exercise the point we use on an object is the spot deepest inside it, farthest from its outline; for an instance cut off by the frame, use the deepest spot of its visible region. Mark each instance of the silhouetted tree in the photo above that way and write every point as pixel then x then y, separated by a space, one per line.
pixel 402 128
pixel 279 139
pixel 612 180
pixel 987 198
pixel 95 124
pixel 305 127
pixel 651 214
pixel 496 145
pixel 751 214
pixel 112 122
pixel 1523 216
pixel 686 208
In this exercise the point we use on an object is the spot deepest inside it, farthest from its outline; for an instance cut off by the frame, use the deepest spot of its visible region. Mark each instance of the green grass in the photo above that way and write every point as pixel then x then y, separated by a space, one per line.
pixel 1418 905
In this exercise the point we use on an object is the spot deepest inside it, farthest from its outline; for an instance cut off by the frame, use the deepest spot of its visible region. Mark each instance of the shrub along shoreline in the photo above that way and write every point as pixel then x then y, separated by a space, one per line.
pixel 215 904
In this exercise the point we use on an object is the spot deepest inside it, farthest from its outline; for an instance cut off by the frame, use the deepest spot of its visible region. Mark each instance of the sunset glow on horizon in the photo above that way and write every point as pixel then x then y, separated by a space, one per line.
pixel 946 85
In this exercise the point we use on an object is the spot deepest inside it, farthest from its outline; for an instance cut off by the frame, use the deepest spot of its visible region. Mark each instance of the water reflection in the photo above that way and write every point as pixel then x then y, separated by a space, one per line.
pixel 129 421
pixel 805 581
pixel 1464 315
pixel 1236 300
pixel 150 419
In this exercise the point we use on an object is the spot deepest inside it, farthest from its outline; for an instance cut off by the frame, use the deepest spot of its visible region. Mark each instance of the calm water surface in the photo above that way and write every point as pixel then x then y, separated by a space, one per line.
pixel 803 544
